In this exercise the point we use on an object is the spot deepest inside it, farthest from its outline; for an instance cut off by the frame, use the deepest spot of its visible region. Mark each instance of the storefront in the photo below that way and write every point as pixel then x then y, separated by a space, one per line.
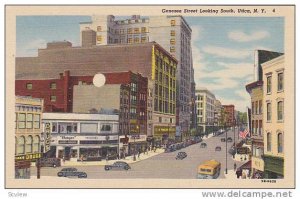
pixel 137 143
pixel 85 148
pixel 23 163
pixel 274 167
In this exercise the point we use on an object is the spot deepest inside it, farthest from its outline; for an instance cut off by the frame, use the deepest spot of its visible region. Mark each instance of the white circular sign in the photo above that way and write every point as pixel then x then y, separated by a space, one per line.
pixel 99 80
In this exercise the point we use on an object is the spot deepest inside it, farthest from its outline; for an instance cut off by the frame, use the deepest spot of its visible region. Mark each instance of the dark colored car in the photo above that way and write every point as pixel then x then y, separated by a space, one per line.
pixel 50 162
pixel 218 148
pixel 181 155
pixel 229 139
pixel 117 166
pixel 71 172
pixel 223 139
pixel 203 145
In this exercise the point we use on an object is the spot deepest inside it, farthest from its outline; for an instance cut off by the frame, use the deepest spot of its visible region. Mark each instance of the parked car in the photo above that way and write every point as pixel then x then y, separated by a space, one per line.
pixel 203 145
pixel 223 139
pixel 71 172
pixel 50 162
pixel 218 148
pixel 181 155
pixel 229 139
pixel 119 165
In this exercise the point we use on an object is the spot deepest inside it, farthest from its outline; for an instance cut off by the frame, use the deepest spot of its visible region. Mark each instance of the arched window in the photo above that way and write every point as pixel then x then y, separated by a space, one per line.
pixel 21 145
pixel 28 147
pixel 280 143
pixel 36 144
pixel 269 142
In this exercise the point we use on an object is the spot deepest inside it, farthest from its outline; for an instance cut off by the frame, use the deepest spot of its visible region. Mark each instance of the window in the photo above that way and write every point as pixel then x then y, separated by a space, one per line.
pixel 144 29
pixel 21 145
pixel 28 146
pixel 99 38
pixel 36 121
pixel 280 82
pixel 122 31
pixel 280 143
pixel 260 127
pixel 269 141
pixel 52 85
pixel 29 86
pixel 21 120
pixel 99 28
pixel 172 41
pixel 143 39
pixel 269 112
pixel 172 33
pixel 252 108
pixel 256 107
pixel 173 22
pixel 172 49
pixel 129 30
pixel 106 127
pixel 280 110
pixel 36 144
pixel 53 98
pixel 260 107
pixel 269 84
pixel 136 40
pixel 136 30
pixel 129 40
pixel 29 120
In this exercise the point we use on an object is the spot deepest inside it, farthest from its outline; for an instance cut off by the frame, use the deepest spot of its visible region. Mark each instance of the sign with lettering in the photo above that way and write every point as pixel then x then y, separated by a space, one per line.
pixel 31 156
pixel 67 142
pixel 47 137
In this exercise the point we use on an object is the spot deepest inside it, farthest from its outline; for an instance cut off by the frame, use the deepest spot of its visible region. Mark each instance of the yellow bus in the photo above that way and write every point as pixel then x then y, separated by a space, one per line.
pixel 209 170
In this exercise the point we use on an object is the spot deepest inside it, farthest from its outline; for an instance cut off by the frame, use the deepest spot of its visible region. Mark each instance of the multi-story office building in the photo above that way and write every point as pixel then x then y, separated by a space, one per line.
pixel 205 105
pixel 273 117
pixel 148 59
pixel 229 115
pixel 218 113
pixel 85 137
pixel 171 32
pixel 255 89
pixel 28 132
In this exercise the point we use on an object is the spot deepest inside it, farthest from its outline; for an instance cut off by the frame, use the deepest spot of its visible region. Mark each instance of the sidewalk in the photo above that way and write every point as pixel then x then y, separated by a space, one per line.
pixel 232 176
pixel 128 160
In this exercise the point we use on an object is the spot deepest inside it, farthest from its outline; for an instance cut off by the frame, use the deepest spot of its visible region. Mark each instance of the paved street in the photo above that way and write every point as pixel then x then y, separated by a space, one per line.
pixel 164 165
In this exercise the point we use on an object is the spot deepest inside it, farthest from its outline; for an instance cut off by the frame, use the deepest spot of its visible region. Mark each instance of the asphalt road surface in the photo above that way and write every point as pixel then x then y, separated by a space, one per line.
pixel 164 165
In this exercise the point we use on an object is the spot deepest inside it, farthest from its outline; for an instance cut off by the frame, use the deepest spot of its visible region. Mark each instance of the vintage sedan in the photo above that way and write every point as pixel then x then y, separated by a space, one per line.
pixel 119 165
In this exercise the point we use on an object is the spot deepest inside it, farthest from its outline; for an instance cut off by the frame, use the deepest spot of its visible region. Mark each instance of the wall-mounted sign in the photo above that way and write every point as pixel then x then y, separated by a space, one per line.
pixel 31 156
pixel 47 137
pixel 67 142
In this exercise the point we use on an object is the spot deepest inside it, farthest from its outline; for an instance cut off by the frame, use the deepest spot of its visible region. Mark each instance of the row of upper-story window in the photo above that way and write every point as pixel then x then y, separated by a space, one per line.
pixel 256 107
pixel 52 85
pixel 121 31
pixel 279 142
pixel 27 108
pixel 27 121
pixel 28 144
pixel 85 127
pixel 280 82
pixel 280 111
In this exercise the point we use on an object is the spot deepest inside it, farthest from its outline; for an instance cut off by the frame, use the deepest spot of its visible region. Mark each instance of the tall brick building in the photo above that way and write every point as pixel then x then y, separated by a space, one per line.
pixel 229 112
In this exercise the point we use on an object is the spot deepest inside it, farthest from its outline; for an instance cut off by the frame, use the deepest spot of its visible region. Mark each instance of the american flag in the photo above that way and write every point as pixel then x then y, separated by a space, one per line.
pixel 243 134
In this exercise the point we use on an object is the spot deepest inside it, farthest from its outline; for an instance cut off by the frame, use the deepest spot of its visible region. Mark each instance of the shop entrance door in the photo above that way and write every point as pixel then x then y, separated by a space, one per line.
pixel 67 152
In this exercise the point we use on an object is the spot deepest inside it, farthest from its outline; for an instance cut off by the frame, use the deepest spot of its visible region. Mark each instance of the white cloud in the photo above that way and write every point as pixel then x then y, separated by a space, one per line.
pixel 240 36
pixel 31 48
pixel 227 52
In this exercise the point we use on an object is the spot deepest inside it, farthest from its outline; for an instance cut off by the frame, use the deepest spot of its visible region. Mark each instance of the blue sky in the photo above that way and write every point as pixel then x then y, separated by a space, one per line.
pixel 223 47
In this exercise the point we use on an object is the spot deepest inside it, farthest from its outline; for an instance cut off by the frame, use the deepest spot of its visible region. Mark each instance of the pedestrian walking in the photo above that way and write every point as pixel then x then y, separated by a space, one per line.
pixel 106 158
pixel 81 158
pixel 139 154
pixel 234 166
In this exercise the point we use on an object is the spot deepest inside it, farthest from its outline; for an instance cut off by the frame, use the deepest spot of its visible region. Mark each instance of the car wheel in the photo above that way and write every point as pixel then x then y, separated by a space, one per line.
pixel 126 168
pixel 54 165
pixel 106 168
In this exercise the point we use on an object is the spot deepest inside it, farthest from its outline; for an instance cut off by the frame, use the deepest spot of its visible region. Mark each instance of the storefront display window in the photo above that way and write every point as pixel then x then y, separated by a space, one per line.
pixel 22 173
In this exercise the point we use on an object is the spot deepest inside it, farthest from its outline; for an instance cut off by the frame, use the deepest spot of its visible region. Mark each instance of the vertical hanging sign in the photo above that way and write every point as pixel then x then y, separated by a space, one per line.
pixel 47 136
